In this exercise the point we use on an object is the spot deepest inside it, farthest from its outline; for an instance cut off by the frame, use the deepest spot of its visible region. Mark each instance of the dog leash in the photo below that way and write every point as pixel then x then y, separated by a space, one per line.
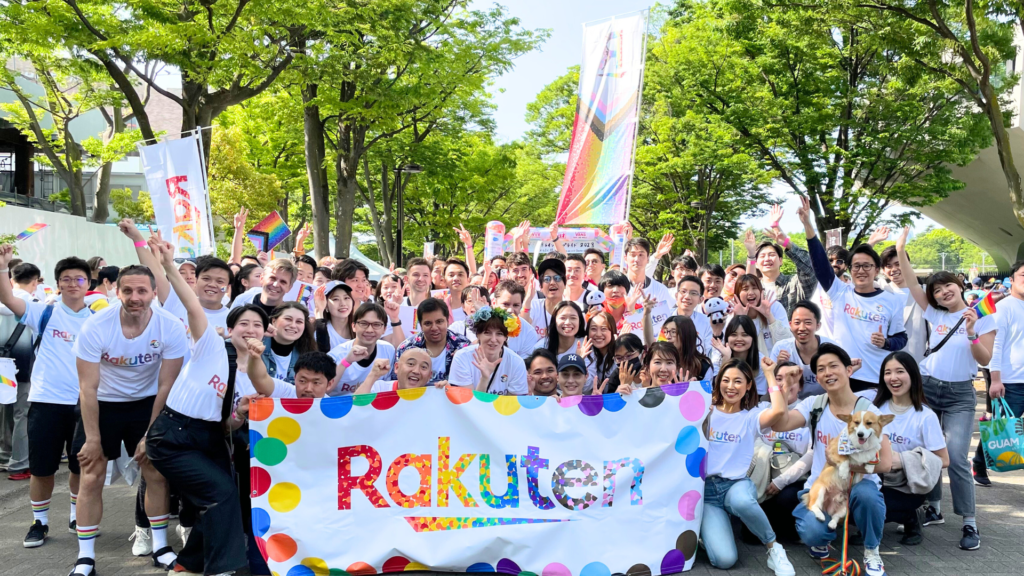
pixel 845 566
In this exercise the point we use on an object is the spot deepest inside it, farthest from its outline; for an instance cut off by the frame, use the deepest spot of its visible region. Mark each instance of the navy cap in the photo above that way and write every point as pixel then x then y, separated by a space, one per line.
pixel 553 264
pixel 572 360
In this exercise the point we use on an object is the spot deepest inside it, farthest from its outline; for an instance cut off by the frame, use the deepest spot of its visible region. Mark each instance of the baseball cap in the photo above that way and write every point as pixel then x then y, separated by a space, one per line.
pixel 977 281
pixel 572 361
pixel 1006 282
pixel 185 262
pixel 330 286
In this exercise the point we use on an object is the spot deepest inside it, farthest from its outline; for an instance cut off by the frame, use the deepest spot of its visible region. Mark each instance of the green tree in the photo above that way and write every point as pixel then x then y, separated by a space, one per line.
pixel 235 182
pixel 126 206
pixel 828 105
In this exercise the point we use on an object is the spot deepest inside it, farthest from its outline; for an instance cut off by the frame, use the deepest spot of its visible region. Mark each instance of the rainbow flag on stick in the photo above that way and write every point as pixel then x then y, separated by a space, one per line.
pixel 270 232
pixel 30 231
pixel 986 306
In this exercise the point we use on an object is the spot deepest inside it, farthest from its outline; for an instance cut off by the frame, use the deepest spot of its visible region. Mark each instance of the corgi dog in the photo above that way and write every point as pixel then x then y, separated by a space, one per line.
pixel 861 442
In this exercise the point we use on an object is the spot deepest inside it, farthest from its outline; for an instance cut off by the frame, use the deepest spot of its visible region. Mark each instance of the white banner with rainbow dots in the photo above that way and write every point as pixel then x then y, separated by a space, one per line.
pixel 457 480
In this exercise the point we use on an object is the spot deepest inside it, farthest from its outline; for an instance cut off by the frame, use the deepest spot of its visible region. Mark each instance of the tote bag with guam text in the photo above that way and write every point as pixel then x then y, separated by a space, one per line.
pixel 1003 438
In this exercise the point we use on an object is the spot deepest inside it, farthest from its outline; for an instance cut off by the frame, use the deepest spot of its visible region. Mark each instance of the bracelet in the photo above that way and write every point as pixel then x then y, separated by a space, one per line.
pixel 345 363
pixel 399 323
pixel 974 340
pixel 4 270
pixel 785 243
pixel 774 389
pixel 140 244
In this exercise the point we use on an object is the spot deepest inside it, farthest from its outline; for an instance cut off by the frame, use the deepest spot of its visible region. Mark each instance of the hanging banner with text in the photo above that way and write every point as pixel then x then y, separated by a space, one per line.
pixel 599 170
pixel 176 181
pixel 457 480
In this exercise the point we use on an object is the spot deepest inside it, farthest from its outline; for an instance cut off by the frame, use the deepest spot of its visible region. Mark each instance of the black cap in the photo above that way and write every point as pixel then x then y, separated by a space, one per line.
pixel 553 264
pixel 573 361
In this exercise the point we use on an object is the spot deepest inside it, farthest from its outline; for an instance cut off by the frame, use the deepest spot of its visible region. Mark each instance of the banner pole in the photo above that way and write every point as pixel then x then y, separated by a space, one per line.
pixel 206 185
pixel 639 111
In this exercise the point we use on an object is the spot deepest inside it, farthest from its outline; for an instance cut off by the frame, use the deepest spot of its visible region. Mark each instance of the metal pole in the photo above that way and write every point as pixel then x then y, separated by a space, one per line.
pixel 943 261
pixel 732 252
pixel 719 257
pixel 401 218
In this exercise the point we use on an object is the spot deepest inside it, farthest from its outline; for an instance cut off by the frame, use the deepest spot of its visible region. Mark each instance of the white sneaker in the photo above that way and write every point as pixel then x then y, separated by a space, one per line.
pixel 779 562
pixel 873 565
pixel 143 545
pixel 183 533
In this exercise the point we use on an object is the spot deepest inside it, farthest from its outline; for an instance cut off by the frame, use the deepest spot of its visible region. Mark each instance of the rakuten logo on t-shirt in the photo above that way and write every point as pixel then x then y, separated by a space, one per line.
pixel 218 385
pixel 897 439
pixel 725 437
pixel 857 313
pixel 348 388
pixel 65 336
pixel 824 439
pixel 140 360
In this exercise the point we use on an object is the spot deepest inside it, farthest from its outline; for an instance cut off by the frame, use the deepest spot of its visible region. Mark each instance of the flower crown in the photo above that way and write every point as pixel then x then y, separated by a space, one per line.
pixel 511 321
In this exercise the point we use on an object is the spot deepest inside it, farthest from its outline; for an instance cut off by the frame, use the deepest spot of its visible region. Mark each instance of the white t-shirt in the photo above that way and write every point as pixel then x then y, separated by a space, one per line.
pixel 336 339
pixel 385 386
pixel 509 377
pixel 219 317
pixel 463 329
pixel 540 317
pixel 54 375
pixel 954 361
pixel 244 387
pixel 914 429
pixel 704 332
pixel 129 369
pixel 825 304
pixel 857 317
pixel 19 293
pixel 524 344
pixel 356 373
pixel 1008 350
pixel 199 390
pixel 658 290
pixel 731 442
pixel 811 386
pixel 798 441
pixel 829 427
pixel 438 366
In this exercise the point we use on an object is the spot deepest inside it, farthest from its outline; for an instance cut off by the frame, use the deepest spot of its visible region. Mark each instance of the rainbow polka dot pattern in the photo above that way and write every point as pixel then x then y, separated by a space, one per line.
pixel 330 470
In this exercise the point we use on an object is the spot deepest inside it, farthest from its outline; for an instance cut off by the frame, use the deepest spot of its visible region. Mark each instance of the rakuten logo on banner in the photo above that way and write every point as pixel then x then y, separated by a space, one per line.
pixel 177 185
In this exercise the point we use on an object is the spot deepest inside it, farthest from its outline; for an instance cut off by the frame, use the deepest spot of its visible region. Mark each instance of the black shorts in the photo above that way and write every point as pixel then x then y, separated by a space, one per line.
pixel 125 422
pixel 51 429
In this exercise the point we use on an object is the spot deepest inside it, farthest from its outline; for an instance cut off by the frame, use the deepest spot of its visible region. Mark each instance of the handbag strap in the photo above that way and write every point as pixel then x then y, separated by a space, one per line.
pixel 8 348
pixel 949 335
pixel 1000 409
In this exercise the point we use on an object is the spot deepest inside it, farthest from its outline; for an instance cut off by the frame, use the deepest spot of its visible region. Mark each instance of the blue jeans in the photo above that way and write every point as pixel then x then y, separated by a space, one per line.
pixel 867 507
pixel 1015 398
pixel 954 404
pixel 723 498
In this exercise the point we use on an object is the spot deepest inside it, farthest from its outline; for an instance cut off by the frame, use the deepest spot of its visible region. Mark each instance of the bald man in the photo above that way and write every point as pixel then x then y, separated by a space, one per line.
pixel 413 370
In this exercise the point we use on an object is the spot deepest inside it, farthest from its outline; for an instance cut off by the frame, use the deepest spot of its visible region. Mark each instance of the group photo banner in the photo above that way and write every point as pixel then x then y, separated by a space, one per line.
pixel 464 481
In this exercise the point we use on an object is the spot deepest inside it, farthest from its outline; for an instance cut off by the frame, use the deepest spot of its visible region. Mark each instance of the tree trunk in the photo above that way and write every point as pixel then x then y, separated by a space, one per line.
pixel 346 163
pixel 995 118
pixel 316 172
pixel 101 204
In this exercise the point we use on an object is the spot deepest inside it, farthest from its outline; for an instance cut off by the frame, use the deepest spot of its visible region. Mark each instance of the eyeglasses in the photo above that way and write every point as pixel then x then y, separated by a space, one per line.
pixel 594 262
pixel 73 281
pixel 668 333
pixel 862 267
pixel 364 325
pixel 620 358
pixel 554 278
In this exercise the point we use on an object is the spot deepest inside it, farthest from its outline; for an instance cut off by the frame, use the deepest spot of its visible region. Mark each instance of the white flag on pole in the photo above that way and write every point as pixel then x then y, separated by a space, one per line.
pixel 175 176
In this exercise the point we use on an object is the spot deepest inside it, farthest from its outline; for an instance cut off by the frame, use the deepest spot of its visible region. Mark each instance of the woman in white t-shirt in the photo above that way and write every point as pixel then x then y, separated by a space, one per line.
pixel 735 424
pixel 915 426
pixel 681 332
pixel 958 342
pixel 568 323
pixel 489 365
pixel 600 358
pixel 740 341
pixel 356 357
pixel 292 337
pixel 769 316
pixel 334 327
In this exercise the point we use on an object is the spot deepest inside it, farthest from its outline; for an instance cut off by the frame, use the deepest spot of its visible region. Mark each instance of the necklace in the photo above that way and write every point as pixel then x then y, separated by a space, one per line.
pixel 898 409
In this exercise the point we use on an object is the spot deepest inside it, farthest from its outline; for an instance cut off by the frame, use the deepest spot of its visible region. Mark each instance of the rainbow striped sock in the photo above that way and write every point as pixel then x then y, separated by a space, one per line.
pixel 74 507
pixel 87 541
pixel 40 511
pixel 158 527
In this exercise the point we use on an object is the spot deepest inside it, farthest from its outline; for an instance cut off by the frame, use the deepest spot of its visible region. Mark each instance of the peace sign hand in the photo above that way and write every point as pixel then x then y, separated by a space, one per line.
pixel 464 235
pixel 599 390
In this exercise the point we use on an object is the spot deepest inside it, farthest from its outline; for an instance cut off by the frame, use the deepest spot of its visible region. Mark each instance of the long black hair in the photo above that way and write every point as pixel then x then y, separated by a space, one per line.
pixel 916 383
pixel 749 399
pixel 692 357
pixel 753 356
pixel 553 324
pixel 236 283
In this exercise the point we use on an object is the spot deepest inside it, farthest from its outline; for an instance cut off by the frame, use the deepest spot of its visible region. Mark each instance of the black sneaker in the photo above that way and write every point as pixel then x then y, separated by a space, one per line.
pixel 36 535
pixel 931 516
pixel 981 478
pixel 912 535
pixel 73 526
pixel 971 539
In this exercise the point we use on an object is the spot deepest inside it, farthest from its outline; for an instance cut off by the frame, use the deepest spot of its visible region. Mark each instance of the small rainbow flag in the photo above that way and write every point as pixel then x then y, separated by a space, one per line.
pixel 8 382
pixel 986 306
pixel 270 232
pixel 30 231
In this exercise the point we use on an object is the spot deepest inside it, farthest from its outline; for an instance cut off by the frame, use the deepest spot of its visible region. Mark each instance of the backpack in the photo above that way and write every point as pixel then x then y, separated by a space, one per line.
pixel 821 403
pixel 24 357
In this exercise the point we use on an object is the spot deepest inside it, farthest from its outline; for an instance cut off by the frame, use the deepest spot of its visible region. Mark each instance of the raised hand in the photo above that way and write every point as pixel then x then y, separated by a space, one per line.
pixel 764 308
pixel 241 217
pixel 664 246
pixel 804 211
pixel 583 347
pixel 598 390
pixel 750 242
pixel 776 235
pixel 357 353
pixel 485 366
pixel 901 242
pixel 304 232
pixel 632 298
pixel 392 309
pixel 783 356
pixel 464 236
pixel 775 215
pixel 724 350
pixel 553 230
pixel 767 366
pixel 127 227
pixel 381 366
pixel 263 258
pixel 856 363
pixel 970 318
pixel 739 307
pixel 878 235
pixel 627 375
pixel 254 346
pixel 6 255
pixel 684 376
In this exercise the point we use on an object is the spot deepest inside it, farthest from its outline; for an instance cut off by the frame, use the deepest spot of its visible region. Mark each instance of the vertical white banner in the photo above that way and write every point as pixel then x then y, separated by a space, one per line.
pixel 8 381
pixel 175 176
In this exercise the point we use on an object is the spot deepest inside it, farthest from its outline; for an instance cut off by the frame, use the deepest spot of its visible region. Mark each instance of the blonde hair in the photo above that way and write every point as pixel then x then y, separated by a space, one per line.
pixel 283 265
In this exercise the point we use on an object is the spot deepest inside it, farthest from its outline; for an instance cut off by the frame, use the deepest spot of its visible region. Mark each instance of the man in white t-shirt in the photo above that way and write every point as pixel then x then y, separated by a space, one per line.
pixel 456 275
pixel 804 324
pixel 833 368
pixel 128 356
pixel 913 315
pixel 509 295
pixel 637 254
pixel 52 414
pixel 551 274
pixel 575 275
pixel 278 277
pixel 689 294
pixel 440 343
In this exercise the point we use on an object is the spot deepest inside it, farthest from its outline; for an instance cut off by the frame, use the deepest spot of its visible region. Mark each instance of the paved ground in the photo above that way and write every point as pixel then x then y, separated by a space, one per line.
pixel 1000 517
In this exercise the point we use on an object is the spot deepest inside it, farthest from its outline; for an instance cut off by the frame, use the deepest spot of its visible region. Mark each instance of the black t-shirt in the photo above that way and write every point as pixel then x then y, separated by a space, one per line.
pixel 268 309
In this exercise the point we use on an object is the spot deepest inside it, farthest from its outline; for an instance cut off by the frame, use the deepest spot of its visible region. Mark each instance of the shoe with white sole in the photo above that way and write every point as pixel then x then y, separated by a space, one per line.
pixel 779 562
pixel 818 552
pixel 873 565
pixel 143 545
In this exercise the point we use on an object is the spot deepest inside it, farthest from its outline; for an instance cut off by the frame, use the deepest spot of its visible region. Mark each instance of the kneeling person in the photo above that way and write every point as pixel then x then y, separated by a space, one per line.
pixel 412 370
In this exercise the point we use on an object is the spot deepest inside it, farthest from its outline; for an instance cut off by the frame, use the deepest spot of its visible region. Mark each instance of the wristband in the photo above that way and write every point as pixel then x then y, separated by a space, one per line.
pixel 785 243
pixel 774 389
pixel 140 244
pixel 974 340
pixel 345 363
pixel 4 270
pixel 398 323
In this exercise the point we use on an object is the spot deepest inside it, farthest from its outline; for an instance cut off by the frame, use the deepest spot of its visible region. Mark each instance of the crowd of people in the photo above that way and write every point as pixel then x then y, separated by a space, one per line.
pixel 165 356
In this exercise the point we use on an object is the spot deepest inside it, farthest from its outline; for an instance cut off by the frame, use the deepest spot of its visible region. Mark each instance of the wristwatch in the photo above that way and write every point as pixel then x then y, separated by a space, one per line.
pixel 399 323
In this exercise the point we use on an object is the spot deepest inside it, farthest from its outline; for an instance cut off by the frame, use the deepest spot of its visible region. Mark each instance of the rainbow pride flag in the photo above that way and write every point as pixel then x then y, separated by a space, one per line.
pixel 986 306
pixel 599 170
pixel 4 381
pixel 28 232
pixel 270 232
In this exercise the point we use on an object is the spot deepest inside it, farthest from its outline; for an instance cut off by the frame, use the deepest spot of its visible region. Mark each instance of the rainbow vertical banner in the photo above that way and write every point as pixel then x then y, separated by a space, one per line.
pixel 599 172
